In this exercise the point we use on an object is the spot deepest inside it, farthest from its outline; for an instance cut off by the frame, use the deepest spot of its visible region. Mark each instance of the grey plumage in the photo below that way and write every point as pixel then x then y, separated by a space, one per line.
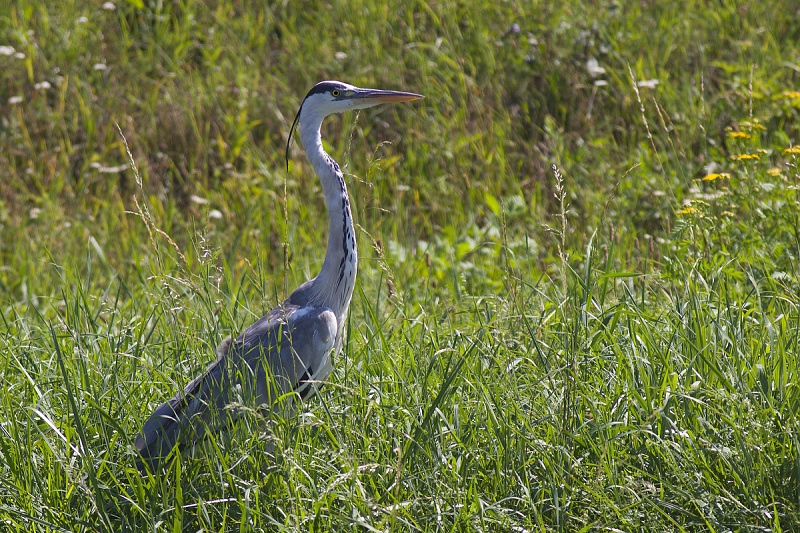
pixel 288 349
pixel 293 346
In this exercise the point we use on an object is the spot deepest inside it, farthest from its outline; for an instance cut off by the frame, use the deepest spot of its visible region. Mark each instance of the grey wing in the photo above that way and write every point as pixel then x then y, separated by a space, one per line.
pixel 289 349
pixel 184 418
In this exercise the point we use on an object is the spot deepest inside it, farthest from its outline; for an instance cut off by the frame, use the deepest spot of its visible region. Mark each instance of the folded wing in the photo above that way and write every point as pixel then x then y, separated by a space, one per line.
pixel 289 349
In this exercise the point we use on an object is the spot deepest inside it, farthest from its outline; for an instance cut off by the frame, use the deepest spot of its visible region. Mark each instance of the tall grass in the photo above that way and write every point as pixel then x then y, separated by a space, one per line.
pixel 608 347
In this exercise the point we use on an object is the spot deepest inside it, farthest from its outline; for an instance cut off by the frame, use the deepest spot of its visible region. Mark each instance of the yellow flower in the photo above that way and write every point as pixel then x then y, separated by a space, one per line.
pixel 792 150
pixel 738 135
pixel 743 157
pixel 774 172
pixel 791 94
pixel 752 125
pixel 688 210
pixel 712 177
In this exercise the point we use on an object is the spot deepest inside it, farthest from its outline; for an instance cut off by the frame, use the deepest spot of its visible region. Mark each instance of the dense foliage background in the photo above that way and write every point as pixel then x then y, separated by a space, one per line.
pixel 577 305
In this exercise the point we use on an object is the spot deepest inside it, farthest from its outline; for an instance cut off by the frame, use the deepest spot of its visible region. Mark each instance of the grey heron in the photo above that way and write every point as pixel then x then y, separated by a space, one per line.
pixel 293 346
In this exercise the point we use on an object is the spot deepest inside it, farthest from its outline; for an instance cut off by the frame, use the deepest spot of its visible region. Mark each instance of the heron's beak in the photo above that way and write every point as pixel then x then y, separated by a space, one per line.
pixel 376 96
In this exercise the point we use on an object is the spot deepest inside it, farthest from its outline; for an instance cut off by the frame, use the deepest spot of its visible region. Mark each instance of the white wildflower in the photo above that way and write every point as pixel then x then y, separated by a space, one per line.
pixel 111 170
pixel 594 68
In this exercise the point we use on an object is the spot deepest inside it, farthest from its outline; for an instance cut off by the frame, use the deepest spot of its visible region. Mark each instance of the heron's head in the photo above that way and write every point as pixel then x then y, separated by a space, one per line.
pixel 329 97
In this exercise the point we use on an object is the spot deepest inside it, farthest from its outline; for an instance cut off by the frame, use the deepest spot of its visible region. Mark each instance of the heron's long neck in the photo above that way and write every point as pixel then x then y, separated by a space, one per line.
pixel 333 287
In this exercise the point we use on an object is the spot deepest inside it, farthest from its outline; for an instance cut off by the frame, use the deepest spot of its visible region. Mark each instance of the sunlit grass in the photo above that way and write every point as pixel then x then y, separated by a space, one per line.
pixel 604 344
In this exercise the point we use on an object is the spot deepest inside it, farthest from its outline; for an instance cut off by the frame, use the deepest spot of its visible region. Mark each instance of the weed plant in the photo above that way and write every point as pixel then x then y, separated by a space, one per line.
pixel 577 306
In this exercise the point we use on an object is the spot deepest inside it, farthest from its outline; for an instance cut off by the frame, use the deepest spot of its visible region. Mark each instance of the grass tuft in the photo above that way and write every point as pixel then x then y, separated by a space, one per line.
pixel 577 305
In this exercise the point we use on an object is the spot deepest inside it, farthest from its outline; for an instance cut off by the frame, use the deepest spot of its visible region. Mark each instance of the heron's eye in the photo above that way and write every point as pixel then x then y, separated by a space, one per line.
pixel 335 92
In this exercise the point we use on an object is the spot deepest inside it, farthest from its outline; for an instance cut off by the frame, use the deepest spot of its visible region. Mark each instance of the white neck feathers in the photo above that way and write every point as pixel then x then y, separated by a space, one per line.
pixel 333 287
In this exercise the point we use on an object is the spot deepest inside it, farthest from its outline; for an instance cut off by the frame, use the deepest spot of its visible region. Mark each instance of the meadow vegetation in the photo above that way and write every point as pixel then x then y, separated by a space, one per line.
pixel 577 306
